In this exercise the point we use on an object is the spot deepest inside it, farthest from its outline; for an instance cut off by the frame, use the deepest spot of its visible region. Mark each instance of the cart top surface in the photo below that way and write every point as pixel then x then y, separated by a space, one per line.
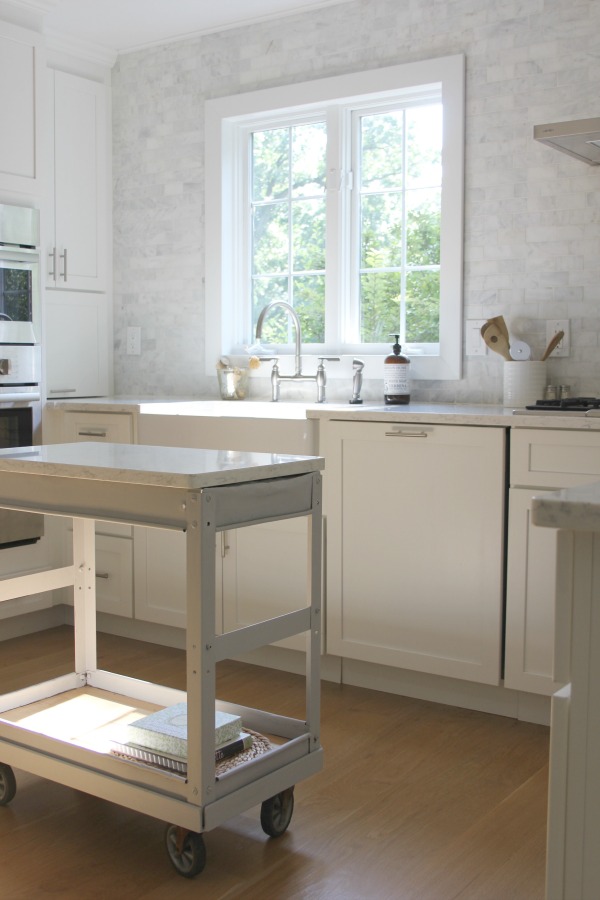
pixel 177 467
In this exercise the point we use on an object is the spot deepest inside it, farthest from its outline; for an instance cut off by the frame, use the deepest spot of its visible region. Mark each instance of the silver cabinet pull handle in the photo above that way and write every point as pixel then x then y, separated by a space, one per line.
pixel 62 390
pixel 52 272
pixel 92 433
pixel 64 256
pixel 416 434
pixel 102 575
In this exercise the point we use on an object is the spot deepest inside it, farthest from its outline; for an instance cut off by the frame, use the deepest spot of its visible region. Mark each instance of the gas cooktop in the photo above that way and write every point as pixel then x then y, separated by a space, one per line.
pixel 571 406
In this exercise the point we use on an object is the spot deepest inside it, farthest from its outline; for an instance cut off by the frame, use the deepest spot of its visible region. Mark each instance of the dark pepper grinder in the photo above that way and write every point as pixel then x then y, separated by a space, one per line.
pixel 396 376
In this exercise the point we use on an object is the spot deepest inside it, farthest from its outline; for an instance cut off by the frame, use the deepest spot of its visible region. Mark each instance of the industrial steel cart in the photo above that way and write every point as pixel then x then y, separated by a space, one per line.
pixel 199 492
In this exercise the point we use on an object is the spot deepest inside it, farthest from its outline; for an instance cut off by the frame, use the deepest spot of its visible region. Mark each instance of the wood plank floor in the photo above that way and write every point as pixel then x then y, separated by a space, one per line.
pixel 417 801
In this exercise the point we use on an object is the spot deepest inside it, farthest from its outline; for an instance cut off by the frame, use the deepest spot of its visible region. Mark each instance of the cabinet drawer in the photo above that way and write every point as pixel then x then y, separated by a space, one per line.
pixel 555 459
pixel 116 428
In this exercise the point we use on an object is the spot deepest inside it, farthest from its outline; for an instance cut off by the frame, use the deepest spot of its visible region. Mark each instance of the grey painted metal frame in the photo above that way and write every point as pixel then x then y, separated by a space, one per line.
pixel 202 801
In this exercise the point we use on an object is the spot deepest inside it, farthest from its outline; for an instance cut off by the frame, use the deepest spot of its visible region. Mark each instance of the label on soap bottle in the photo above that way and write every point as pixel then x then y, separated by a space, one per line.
pixel 396 379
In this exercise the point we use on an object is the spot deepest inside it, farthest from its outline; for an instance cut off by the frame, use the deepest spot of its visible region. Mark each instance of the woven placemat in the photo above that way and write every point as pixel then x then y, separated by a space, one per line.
pixel 260 745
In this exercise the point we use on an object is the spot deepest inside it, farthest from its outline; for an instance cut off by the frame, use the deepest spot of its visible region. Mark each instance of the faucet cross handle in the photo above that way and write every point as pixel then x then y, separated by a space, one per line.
pixel 321 377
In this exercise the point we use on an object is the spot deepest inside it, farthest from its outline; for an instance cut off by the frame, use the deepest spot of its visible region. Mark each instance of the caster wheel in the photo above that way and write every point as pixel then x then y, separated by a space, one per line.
pixel 186 850
pixel 276 813
pixel 8 785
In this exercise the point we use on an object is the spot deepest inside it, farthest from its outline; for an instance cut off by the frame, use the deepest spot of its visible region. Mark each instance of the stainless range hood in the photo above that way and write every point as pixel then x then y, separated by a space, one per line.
pixel 580 139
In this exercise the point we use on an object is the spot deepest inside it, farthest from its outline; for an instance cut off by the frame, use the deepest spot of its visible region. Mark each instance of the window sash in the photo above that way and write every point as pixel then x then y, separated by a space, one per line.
pixel 229 122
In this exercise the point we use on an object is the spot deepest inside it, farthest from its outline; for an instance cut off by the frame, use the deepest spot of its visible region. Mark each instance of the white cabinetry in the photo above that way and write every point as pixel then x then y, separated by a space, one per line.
pixel 415 521
pixel 114 541
pixel 81 425
pixel 77 341
pixel 77 309
pixel 21 67
pixel 77 248
pixel 540 459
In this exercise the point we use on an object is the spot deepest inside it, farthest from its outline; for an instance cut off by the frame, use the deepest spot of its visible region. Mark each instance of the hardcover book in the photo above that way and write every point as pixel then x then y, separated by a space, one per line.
pixel 136 753
pixel 166 730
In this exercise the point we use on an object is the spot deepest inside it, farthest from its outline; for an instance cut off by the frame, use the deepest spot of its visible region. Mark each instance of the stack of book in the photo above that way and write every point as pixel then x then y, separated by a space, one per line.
pixel 160 739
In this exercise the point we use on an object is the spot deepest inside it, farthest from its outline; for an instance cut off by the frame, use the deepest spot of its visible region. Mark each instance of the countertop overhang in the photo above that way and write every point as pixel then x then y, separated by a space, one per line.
pixel 440 413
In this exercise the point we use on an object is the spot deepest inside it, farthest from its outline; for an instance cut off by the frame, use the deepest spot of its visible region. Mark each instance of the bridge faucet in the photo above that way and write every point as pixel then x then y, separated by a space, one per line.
pixel 293 316
pixel 320 378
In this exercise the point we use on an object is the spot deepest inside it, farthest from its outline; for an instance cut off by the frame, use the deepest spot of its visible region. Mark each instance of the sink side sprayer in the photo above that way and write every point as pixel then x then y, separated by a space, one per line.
pixel 276 378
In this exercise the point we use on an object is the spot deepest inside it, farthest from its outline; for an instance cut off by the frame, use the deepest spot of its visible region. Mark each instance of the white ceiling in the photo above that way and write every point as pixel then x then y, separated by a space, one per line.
pixel 125 25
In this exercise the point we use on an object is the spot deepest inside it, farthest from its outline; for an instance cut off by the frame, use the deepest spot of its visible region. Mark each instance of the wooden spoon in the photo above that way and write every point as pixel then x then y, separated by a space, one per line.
pixel 495 340
pixel 553 344
pixel 499 322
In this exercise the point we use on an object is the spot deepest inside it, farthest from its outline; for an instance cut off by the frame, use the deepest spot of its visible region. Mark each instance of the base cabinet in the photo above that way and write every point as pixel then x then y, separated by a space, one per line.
pixel 260 571
pixel 541 460
pixel 415 546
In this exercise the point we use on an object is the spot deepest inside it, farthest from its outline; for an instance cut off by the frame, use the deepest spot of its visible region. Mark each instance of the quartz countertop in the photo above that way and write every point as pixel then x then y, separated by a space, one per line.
pixel 178 467
pixel 573 509
pixel 440 413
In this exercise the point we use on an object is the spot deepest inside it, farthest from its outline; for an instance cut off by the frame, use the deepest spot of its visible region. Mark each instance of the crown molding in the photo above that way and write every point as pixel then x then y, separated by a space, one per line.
pixel 97 53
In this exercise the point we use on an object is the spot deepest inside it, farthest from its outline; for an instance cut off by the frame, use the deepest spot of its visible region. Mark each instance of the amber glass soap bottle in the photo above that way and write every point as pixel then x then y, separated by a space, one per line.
pixel 396 376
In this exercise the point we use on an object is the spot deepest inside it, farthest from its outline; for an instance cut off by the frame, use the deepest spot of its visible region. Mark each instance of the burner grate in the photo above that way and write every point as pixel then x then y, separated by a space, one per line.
pixel 576 404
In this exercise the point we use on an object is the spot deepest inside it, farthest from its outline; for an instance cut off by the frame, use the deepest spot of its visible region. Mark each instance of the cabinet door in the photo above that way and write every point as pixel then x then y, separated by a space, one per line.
pixel 21 65
pixel 530 598
pixel 76 340
pixel 265 574
pixel 160 577
pixel 78 255
pixel 415 546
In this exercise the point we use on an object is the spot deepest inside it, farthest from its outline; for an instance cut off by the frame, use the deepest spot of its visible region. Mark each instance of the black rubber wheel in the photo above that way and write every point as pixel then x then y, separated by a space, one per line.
pixel 276 813
pixel 8 784
pixel 186 850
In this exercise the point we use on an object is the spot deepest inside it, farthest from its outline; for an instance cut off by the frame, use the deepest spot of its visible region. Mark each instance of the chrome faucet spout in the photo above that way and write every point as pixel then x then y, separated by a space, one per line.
pixel 294 317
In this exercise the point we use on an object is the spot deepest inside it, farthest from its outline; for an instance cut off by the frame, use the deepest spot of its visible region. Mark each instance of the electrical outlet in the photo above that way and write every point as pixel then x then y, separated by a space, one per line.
pixel 474 343
pixel 134 341
pixel 553 326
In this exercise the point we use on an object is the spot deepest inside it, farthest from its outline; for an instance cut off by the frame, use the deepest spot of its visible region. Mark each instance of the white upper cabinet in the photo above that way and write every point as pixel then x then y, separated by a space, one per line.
pixel 21 64
pixel 77 239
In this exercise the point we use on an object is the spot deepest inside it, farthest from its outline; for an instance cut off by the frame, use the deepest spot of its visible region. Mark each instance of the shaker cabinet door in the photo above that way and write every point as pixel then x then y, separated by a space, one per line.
pixel 77 252
pixel 76 337
pixel 415 546
pixel 21 65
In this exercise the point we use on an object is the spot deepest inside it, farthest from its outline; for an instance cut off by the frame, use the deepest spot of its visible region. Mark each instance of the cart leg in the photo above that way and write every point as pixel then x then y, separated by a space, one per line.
pixel 186 850
pixel 8 784
pixel 276 813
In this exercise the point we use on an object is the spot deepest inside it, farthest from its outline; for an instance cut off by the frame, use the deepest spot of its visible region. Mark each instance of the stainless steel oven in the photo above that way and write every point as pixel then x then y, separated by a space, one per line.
pixel 20 352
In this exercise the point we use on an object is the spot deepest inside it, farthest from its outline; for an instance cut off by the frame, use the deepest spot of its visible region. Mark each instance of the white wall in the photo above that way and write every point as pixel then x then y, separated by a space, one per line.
pixel 532 235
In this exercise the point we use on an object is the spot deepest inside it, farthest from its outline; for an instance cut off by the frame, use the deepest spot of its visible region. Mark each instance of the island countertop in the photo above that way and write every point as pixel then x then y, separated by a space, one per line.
pixel 573 509
pixel 177 467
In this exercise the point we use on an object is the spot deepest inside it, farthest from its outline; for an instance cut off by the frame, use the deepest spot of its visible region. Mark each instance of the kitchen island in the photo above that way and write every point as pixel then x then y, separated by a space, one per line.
pixel 197 492
pixel 573 858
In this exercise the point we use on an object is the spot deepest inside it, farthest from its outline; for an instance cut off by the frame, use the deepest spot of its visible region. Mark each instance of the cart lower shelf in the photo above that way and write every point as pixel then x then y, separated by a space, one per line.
pixel 68 738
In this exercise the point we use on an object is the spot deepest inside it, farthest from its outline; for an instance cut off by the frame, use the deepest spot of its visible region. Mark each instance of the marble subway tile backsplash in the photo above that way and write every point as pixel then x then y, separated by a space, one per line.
pixel 532 215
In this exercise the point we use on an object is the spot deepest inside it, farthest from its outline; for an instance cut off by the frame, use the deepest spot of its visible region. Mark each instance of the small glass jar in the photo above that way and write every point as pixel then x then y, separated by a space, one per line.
pixel 565 391
pixel 551 392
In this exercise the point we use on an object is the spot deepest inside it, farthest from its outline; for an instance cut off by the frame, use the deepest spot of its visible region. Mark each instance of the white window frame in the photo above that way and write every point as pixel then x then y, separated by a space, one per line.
pixel 228 120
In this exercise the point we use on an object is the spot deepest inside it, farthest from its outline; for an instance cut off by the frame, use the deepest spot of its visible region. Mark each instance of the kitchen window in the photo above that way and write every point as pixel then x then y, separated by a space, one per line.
pixel 344 198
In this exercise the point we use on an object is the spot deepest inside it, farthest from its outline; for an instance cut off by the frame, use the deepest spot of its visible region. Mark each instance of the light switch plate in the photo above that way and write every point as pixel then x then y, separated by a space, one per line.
pixel 474 343
pixel 134 341
pixel 552 327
